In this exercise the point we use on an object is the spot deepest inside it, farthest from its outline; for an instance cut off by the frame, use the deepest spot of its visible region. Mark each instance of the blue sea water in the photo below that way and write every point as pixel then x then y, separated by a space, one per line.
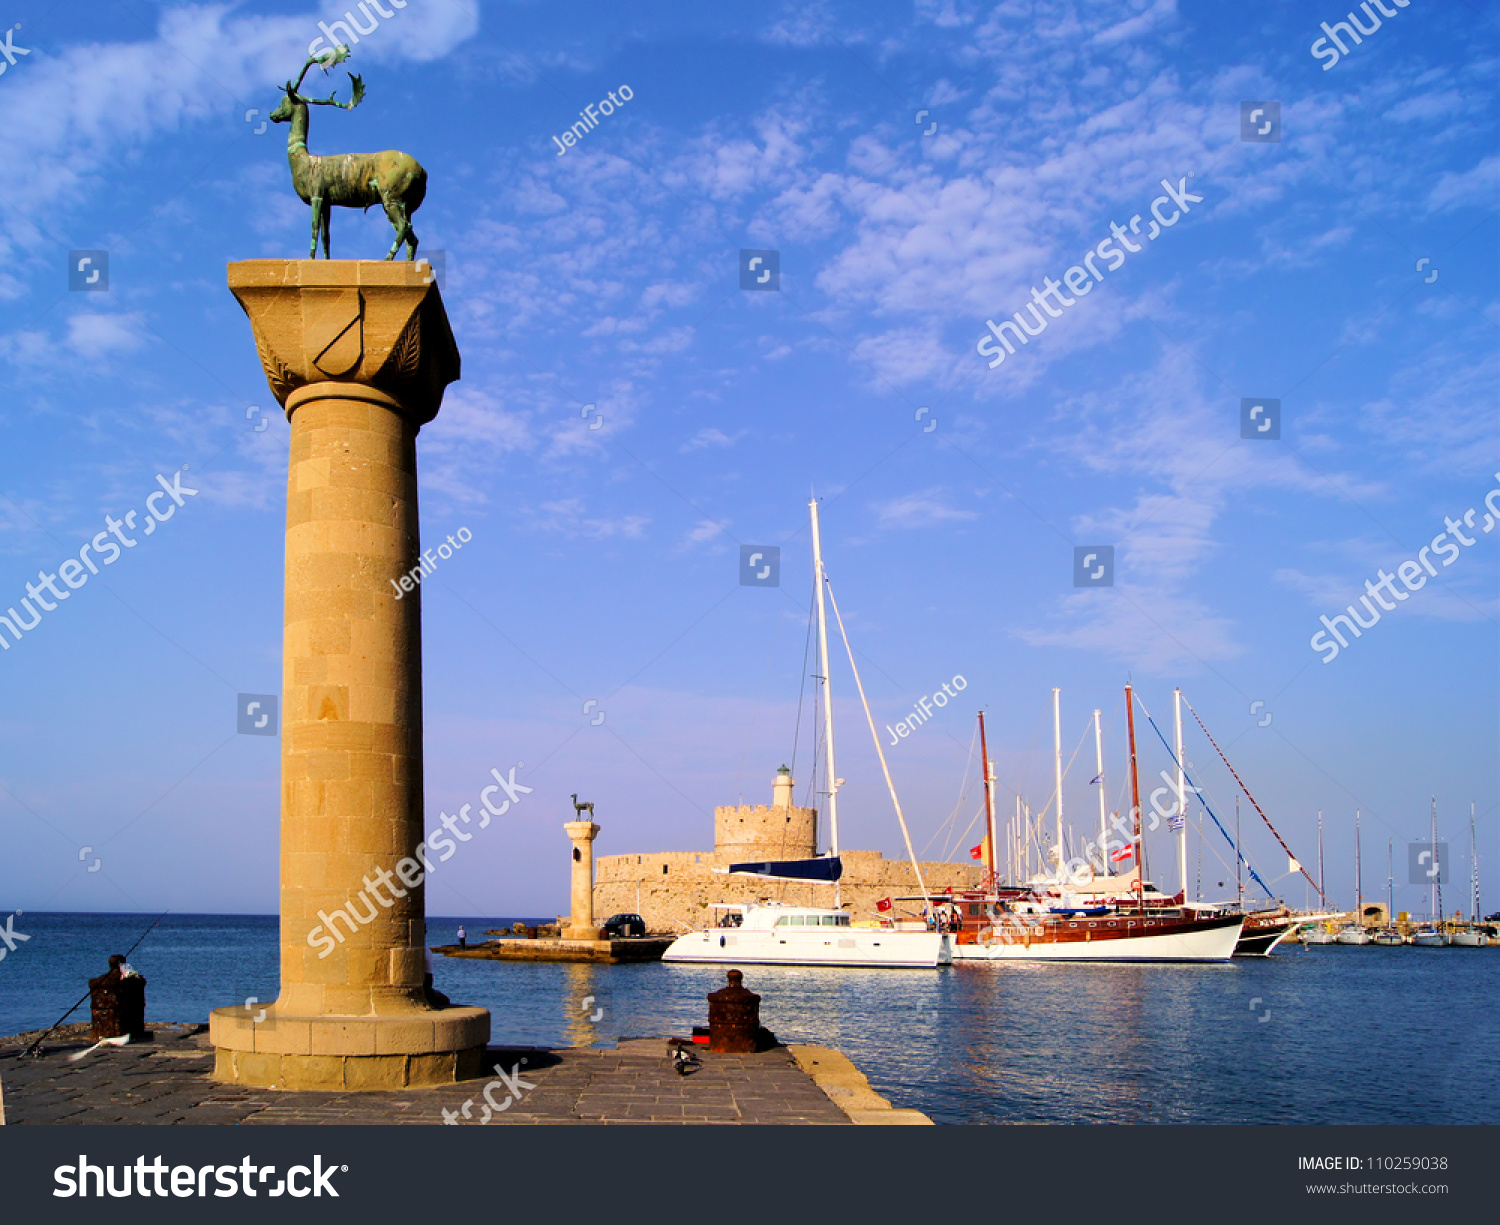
pixel 1319 1035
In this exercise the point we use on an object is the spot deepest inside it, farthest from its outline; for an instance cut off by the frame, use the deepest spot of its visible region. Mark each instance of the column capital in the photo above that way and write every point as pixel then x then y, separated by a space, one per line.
pixel 581 831
pixel 365 323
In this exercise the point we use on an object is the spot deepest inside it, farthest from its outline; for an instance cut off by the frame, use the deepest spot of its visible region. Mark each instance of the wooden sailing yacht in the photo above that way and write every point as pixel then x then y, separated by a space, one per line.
pixel 1102 919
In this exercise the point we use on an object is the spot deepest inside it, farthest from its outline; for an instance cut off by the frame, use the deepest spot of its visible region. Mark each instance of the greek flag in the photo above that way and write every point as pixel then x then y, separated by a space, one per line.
pixel 1176 823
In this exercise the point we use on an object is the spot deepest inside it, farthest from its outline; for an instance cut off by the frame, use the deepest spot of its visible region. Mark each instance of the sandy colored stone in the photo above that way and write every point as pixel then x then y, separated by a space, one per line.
pixel 311 1072
pixel 848 1088
pixel 371 1075
pixel 580 924
pixel 358 353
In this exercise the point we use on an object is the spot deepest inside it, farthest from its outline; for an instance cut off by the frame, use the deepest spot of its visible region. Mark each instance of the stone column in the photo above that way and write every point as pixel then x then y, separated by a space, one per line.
pixel 581 922
pixel 358 354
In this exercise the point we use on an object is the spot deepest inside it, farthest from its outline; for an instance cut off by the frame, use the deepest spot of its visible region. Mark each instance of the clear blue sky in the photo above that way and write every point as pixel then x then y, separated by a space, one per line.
pixel 604 562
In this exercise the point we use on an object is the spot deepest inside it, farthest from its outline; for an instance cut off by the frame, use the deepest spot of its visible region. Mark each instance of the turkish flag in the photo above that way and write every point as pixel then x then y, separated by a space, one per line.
pixel 976 852
pixel 884 904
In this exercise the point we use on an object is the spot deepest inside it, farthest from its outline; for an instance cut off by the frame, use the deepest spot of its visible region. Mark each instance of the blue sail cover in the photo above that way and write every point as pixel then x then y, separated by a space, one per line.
pixel 829 868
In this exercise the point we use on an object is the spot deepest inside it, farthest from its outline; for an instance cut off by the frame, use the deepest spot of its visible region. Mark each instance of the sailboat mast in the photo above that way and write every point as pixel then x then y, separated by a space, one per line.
pixel 1017 872
pixel 1099 772
pixel 1390 883
pixel 1473 869
pixel 833 777
pixel 1239 858
pixel 1322 893
pixel 1057 773
pixel 1434 870
pixel 885 768
pixel 1135 800
pixel 1359 894
pixel 1181 798
pixel 989 800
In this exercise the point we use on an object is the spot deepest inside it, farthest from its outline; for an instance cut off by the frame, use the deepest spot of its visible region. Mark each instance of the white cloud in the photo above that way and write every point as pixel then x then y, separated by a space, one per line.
pixel 101 335
pixel 569 517
pixel 68 116
pixel 925 509
pixel 710 437
pixel 706 531
pixel 1471 188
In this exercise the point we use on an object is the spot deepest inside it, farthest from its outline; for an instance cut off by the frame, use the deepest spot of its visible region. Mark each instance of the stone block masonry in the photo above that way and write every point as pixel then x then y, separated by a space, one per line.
pixel 672 890
pixel 358 353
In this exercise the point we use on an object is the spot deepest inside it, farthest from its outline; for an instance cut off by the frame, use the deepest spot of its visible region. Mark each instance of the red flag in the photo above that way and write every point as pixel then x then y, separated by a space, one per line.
pixel 976 852
pixel 1123 854
pixel 883 905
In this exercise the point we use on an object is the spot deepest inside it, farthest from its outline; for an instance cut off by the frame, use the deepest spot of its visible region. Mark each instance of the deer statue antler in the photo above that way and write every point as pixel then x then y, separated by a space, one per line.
pixel 391 179
pixel 359 96
pixel 325 61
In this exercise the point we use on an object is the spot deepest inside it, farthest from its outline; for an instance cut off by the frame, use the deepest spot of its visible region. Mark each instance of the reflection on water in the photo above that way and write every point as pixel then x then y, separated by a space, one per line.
pixel 1343 1040
pixel 1320 1035
pixel 585 1012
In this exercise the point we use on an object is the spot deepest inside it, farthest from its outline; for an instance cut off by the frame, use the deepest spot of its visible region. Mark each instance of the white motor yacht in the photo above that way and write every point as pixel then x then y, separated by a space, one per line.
pixel 773 934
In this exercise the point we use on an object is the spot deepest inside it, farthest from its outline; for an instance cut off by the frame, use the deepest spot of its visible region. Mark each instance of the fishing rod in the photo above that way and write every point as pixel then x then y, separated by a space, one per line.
pixel 35 1049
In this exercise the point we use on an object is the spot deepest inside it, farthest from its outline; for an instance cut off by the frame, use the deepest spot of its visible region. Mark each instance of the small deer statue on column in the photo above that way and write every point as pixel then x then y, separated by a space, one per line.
pixel 391 179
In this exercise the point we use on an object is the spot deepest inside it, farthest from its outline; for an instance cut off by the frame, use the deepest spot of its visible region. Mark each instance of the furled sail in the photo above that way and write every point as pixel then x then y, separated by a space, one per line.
pixel 829 868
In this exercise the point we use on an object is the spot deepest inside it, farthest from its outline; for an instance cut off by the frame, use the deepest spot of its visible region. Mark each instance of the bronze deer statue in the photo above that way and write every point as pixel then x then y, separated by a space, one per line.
pixel 586 807
pixel 391 179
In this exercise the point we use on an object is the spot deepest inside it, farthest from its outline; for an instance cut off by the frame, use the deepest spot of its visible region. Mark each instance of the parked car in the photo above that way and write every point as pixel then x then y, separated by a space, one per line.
pixel 618 925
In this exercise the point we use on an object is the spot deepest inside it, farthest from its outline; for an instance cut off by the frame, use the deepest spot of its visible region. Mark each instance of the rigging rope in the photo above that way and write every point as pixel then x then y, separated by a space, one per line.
pixel 802 688
pixel 1254 875
pixel 875 736
pixel 1251 798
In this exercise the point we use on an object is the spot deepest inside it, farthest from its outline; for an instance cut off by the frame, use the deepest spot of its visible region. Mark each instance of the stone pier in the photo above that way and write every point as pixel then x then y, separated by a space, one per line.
pixel 358 354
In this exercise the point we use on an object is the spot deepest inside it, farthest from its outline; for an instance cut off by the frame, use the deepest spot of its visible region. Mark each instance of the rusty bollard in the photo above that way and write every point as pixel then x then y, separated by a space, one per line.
pixel 118 1003
pixel 734 1019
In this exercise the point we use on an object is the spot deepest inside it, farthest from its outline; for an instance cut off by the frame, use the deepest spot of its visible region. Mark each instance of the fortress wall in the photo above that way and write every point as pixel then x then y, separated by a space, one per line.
pixel 766 831
pixel 678 898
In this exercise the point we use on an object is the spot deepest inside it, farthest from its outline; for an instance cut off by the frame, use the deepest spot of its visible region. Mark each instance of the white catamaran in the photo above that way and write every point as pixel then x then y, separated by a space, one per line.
pixel 771 933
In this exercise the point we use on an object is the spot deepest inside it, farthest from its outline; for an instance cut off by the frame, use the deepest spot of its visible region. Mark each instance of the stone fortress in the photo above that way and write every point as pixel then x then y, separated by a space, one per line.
pixel 673 890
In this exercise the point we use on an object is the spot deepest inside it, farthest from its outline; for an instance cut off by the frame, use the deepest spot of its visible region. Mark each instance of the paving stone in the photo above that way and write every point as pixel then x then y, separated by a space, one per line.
pixel 167 1082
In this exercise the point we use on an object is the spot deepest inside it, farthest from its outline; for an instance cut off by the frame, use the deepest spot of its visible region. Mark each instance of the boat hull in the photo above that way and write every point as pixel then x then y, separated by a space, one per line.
pixel 1470 940
pixel 1118 939
pixel 850 946
pixel 1429 940
pixel 1259 937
